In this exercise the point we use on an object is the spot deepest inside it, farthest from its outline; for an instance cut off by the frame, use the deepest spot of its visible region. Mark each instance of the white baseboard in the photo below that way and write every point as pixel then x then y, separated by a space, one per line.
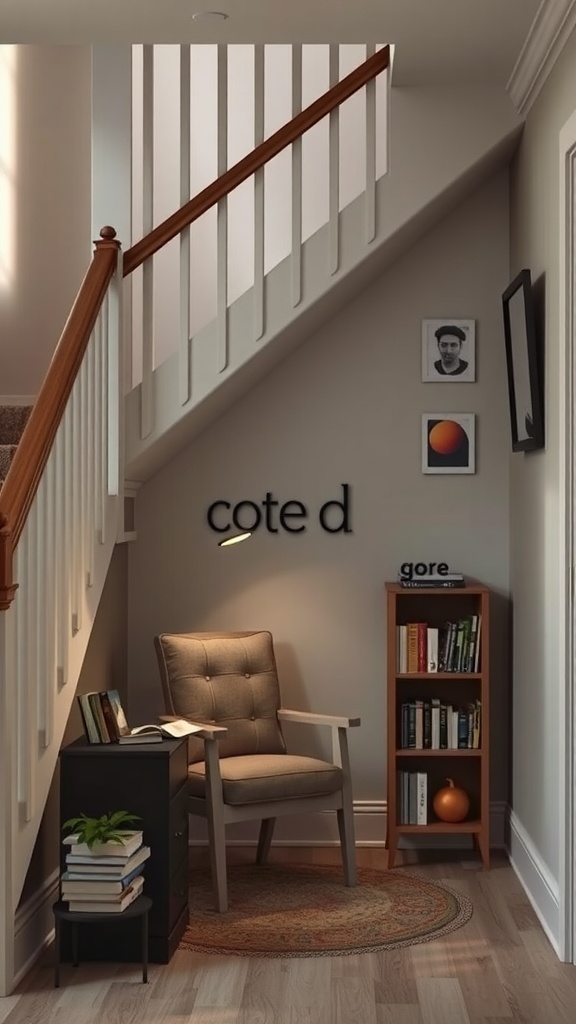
pixel 369 824
pixel 319 829
pixel 540 886
pixel 34 926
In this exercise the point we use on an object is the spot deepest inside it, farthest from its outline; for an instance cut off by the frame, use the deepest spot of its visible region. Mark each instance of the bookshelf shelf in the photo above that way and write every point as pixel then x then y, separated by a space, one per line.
pixel 439 753
pixel 442 828
pixel 426 709
pixel 431 677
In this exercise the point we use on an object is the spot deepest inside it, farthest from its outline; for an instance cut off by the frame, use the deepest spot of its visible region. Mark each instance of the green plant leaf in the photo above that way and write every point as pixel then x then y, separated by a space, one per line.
pixel 104 829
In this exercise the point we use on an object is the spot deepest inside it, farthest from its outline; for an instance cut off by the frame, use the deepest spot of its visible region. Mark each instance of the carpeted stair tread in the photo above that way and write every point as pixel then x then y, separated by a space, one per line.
pixel 13 419
pixel 6 456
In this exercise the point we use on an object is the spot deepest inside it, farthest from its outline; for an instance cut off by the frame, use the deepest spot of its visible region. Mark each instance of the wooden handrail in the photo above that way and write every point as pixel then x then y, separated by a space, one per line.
pixel 36 442
pixel 35 445
pixel 251 163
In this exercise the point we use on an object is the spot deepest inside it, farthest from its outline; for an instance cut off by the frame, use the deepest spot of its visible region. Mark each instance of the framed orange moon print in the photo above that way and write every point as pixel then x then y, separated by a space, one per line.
pixel 448 442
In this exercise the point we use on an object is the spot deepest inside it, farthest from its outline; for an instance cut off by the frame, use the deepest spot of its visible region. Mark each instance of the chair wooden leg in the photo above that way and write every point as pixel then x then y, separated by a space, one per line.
pixel 347 843
pixel 216 828
pixel 264 839
pixel 217 842
pixel 346 812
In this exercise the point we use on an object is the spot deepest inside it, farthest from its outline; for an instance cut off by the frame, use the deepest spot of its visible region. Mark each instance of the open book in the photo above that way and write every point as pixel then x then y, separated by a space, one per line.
pixel 155 733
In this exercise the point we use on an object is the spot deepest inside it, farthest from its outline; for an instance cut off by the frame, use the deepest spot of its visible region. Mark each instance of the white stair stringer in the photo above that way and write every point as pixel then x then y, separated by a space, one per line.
pixel 443 142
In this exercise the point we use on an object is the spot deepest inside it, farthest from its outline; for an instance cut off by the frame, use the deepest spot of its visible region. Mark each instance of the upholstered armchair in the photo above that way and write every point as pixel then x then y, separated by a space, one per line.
pixel 239 767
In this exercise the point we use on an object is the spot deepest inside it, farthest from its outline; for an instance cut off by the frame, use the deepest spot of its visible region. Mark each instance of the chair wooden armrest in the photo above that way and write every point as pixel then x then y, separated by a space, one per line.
pixel 338 723
pixel 310 718
pixel 206 732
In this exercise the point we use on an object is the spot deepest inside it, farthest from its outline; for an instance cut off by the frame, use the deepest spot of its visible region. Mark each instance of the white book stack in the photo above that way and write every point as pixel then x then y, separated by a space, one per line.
pixel 402 648
pixel 432 648
pixel 422 798
pixel 106 878
pixel 412 798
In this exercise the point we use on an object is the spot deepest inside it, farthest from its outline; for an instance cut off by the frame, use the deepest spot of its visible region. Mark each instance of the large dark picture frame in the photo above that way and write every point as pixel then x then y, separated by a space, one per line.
pixel 523 365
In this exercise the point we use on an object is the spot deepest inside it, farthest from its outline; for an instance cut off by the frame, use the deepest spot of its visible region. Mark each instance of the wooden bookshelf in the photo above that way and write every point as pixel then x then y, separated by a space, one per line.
pixel 468 766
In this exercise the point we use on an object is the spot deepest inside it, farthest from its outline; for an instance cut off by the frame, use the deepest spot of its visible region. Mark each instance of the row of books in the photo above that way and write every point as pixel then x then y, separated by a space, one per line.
pixel 104 721
pixel 412 798
pixel 453 647
pixel 434 725
pixel 105 879
pixel 103 716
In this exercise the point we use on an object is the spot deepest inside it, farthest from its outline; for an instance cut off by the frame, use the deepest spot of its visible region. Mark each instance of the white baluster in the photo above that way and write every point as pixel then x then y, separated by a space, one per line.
pixel 49 597
pixel 258 297
pixel 370 155
pixel 106 402
pixel 185 374
pixel 40 674
pixel 64 498
pixel 75 522
pixel 83 480
pixel 334 167
pixel 114 449
pixel 296 254
pixel 222 215
pixel 90 446
pixel 147 223
pixel 98 414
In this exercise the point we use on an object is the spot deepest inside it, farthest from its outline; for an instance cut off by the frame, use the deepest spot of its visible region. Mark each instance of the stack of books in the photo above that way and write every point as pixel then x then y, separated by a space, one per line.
pixel 412 798
pixel 105 879
pixel 432 580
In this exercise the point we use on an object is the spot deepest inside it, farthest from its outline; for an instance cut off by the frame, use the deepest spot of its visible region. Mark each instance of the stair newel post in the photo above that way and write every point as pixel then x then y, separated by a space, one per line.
pixel 107 239
pixel 7 586
pixel 7 590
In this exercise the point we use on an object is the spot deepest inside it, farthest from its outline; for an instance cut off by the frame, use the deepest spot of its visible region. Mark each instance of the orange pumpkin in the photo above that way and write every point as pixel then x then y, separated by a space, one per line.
pixel 451 803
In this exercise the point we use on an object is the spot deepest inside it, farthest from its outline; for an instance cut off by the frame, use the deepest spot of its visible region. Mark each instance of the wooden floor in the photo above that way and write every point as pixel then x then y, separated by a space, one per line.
pixel 497 969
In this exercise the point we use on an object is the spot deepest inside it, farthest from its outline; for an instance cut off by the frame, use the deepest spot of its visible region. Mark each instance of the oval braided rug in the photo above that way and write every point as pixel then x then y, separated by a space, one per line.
pixel 306 910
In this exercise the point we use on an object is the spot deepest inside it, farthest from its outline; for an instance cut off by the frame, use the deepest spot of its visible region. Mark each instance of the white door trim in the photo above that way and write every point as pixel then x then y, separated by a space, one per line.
pixel 567 363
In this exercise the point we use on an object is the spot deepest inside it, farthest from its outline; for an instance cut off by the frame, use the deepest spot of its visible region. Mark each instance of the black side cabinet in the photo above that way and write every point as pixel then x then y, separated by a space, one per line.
pixel 151 780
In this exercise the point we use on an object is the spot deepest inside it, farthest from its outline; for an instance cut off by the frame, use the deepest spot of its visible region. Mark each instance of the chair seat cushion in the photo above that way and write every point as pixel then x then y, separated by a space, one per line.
pixel 257 778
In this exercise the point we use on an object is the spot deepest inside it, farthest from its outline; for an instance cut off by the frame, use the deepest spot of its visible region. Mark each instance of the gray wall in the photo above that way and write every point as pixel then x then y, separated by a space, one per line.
pixel 50 247
pixel 537 572
pixel 344 408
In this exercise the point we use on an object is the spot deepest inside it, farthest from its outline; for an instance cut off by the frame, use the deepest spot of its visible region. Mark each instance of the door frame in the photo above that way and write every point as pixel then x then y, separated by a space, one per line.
pixel 567 365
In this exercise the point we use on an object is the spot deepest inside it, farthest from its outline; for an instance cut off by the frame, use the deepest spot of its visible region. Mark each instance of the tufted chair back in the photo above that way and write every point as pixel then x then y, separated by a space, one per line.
pixel 227 679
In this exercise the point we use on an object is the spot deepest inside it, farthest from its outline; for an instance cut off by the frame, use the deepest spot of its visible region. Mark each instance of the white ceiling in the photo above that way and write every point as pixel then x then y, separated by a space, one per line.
pixel 437 41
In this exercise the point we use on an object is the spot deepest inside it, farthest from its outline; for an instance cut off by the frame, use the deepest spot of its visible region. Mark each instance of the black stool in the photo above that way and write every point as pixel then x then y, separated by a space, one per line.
pixel 139 908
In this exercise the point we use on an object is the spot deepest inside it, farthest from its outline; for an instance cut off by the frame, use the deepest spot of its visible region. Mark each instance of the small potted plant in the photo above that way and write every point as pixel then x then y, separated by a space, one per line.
pixel 94 832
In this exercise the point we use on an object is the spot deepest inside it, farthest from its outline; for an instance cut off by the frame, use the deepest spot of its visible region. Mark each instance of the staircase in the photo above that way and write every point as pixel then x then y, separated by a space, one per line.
pixel 62 496
pixel 13 419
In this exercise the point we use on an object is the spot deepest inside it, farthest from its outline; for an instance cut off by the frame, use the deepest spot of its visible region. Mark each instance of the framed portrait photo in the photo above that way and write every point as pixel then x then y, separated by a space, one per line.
pixel 449 351
pixel 448 442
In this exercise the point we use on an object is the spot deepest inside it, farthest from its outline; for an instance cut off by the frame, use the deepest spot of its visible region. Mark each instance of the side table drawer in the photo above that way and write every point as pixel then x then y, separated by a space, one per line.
pixel 168 909
pixel 178 847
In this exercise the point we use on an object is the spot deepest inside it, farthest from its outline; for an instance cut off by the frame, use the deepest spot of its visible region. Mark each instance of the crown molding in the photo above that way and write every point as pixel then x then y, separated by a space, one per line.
pixel 548 34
